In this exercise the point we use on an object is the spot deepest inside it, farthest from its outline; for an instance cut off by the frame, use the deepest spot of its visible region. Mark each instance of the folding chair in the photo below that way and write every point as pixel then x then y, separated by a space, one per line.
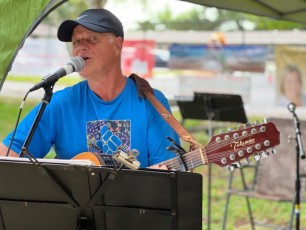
pixel 274 177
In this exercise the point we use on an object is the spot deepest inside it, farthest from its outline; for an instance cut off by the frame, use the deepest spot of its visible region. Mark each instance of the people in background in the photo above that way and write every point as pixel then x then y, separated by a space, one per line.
pixel 291 87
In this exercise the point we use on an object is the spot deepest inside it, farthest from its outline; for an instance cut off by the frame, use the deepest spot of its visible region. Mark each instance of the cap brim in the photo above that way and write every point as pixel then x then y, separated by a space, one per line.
pixel 65 30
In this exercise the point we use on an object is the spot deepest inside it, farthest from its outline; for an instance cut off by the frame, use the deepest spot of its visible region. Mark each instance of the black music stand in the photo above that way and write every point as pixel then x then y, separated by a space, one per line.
pixel 85 197
pixel 213 107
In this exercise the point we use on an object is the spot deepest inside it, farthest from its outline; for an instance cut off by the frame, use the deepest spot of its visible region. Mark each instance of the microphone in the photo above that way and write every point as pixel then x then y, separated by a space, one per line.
pixel 291 107
pixel 76 64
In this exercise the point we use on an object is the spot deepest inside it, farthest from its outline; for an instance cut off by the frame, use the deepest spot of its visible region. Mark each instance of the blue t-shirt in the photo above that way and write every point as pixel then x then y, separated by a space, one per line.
pixel 77 120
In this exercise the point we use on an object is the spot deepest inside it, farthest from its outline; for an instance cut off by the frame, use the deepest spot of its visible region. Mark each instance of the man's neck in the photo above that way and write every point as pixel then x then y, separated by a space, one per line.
pixel 108 88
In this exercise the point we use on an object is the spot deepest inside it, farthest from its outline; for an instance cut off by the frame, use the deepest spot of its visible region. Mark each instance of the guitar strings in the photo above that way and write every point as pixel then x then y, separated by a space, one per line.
pixel 193 158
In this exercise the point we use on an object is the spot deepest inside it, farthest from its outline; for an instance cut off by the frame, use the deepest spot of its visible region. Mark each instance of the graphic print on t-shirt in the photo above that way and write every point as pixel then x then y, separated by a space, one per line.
pixel 106 136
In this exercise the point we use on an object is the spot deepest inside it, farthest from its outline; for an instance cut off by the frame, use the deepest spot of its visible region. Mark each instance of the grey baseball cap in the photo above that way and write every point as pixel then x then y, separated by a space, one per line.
pixel 98 20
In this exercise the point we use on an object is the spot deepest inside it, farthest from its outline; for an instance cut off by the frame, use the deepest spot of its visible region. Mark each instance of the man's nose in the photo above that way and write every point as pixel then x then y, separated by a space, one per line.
pixel 81 46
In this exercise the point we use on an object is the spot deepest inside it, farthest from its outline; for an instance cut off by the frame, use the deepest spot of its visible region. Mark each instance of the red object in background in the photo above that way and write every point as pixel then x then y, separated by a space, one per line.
pixel 138 57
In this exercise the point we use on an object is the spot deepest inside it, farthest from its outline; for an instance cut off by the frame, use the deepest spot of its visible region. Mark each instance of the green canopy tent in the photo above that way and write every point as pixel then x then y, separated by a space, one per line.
pixel 18 20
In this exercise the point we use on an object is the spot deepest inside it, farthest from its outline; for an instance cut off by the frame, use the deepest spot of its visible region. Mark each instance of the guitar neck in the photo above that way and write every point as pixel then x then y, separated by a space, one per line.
pixel 228 148
pixel 191 160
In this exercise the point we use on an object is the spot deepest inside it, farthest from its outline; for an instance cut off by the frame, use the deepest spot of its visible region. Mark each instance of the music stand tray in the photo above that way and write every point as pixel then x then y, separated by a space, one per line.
pixel 83 197
pixel 214 107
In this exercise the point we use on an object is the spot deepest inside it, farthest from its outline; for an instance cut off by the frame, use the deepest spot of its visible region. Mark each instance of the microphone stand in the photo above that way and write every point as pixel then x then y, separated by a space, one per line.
pixel 299 153
pixel 45 101
pixel 24 150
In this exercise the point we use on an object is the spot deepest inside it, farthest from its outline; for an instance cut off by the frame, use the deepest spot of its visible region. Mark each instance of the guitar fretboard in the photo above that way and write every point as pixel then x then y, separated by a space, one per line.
pixel 192 160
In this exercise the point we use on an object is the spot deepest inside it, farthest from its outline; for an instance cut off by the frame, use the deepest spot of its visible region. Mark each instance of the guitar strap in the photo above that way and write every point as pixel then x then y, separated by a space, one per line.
pixel 146 91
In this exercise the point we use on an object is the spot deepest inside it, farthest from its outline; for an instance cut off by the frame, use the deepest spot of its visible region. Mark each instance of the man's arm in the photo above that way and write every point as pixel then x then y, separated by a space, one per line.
pixel 3 151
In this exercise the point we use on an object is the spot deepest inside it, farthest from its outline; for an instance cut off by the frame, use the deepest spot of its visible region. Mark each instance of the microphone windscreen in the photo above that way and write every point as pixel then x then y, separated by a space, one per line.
pixel 78 63
pixel 291 107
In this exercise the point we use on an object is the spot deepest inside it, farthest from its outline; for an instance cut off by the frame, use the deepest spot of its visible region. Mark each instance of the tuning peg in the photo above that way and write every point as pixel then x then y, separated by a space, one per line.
pixel 229 129
pixel 266 120
pixel 247 160
pixel 240 127
pixel 238 164
pixel 273 151
pixel 257 157
pixel 256 123
pixel 264 154
pixel 231 168
pixel 248 125
pixel 218 139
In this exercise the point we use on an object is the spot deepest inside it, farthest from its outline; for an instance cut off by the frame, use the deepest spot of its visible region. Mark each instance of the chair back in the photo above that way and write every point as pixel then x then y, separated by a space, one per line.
pixel 276 175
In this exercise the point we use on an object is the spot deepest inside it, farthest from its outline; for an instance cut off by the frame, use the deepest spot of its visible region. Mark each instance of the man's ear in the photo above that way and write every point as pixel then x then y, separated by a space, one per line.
pixel 118 44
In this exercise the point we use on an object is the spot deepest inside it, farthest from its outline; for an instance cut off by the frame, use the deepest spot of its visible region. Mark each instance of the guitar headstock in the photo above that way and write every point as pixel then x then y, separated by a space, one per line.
pixel 231 147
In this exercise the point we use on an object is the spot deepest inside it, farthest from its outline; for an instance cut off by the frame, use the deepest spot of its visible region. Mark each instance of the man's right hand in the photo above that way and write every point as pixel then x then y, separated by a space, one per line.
pixel 3 151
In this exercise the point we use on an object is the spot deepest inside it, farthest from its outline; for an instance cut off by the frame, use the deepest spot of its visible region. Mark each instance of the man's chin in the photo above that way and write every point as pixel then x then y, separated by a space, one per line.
pixel 83 73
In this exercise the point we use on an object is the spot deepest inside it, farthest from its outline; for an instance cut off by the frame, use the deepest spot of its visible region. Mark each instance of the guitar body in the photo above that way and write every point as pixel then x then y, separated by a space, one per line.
pixel 97 158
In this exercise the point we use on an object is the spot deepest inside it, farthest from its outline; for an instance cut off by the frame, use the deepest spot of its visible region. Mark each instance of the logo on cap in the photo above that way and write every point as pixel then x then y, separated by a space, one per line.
pixel 81 17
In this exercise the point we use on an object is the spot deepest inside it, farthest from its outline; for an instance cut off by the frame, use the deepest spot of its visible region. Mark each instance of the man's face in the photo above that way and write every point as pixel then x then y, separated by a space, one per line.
pixel 99 50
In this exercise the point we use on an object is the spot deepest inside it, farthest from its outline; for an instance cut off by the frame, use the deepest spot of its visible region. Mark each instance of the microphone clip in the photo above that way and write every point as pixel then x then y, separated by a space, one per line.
pixel 300 148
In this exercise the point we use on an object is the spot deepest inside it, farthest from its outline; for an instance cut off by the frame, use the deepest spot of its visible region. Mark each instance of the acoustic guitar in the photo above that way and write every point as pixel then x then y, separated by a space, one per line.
pixel 224 149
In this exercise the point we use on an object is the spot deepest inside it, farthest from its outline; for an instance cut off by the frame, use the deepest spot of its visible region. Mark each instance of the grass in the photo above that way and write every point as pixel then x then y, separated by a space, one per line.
pixel 9 108
pixel 265 211
pixel 67 80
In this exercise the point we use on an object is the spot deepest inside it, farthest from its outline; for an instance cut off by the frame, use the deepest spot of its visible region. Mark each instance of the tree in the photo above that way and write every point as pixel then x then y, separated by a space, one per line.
pixel 97 3
pixel 223 20
pixel 69 10
pixel 199 18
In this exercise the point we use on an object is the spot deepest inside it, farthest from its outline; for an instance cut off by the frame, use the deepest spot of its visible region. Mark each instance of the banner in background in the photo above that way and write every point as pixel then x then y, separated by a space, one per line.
pixel 290 75
pixel 39 57
pixel 138 57
pixel 250 58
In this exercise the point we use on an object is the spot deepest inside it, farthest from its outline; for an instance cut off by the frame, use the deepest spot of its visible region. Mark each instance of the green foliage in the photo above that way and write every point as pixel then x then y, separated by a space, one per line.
pixel 69 10
pixel 263 23
pixel 198 18
pixel 9 111
pixel 201 19
pixel 68 80
pixel 190 20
